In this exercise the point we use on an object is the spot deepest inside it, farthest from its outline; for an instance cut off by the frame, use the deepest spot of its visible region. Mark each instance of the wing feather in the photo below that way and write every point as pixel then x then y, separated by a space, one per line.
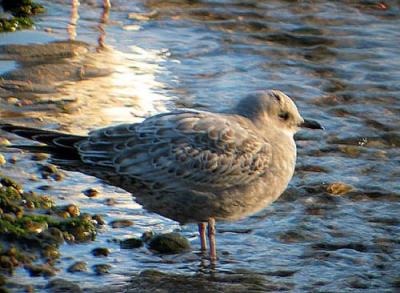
pixel 181 149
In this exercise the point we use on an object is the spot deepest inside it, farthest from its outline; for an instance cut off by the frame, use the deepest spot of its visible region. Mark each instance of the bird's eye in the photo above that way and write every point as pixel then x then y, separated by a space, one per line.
pixel 277 97
pixel 284 115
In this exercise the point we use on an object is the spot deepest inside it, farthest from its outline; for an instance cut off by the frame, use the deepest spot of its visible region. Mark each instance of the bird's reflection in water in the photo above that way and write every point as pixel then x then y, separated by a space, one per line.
pixel 71 28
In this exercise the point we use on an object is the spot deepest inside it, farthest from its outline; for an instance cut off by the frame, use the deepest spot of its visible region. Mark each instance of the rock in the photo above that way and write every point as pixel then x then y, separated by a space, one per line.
pixel 44 187
pixel 99 219
pixel 4 141
pixel 147 235
pixel 121 223
pixel 101 251
pixel 58 176
pixel 7 182
pixel 352 151
pixel 39 157
pixel 155 281
pixel 55 235
pixel 73 210
pixel 50 171
pixel 339 188
pixel 143 16
pixel 131 243
pixel 101 269
pixel 35 227
pixel 110 202
pixel 358 283
pixel 2 160
pixel 40 270
pixel 79 266
pixel 169 243
pixel 81 230
pixel 62 286
pixel 63 214
pixel 91 192
pixel 51 252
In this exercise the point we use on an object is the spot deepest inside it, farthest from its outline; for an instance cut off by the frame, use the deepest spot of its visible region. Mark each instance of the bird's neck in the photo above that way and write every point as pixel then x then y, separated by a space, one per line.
pixel 283 156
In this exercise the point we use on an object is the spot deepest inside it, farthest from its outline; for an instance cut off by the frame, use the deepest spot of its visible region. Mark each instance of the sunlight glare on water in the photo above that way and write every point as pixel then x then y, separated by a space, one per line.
pixel 339 60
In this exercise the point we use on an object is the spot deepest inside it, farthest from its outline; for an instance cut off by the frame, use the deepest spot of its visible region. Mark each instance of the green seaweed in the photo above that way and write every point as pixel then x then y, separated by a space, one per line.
pixel 21 10
pixel 30 227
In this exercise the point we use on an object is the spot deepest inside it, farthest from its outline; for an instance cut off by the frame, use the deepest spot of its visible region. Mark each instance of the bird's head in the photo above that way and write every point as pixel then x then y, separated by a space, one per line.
pixel 274 107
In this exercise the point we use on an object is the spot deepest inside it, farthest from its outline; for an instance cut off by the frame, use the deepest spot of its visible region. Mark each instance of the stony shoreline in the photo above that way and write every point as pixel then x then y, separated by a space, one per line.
pixel 32 228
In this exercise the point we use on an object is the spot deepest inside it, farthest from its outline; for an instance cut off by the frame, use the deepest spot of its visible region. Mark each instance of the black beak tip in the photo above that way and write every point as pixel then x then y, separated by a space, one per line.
pixel 312 124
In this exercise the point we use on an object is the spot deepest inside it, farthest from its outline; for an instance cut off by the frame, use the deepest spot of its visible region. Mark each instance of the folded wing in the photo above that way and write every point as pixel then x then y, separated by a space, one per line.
pixel 175 150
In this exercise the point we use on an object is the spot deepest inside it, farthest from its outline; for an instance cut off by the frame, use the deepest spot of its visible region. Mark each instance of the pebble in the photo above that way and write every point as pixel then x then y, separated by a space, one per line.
pixel 79 266
pixel 101 269
pixel 56 235
pixel 132 27
pixel 121 223
pixel 4 141
pixel 2 160
pixel 143 16
pixel 110 202
pixel 73 210
pixel 91 192
pixel 147 235
pixel 131 243
pixel 101 251
pixel 99 219
pixel 62 286
pixel 39 157
pixel 13 160
pixel 169 243
pixel 40 270
pixel 51 253
pixel 339 188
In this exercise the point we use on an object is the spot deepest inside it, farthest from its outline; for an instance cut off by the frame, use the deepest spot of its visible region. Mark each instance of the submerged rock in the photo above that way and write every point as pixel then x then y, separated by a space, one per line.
pixel 40 270
pixel 2 160
pixel 101 251
pixel 235 282
pixel 91 192
pixel 79 266
pixel 131 243
pixel 98 219
pixel 121 223
pixel 339 188
pixel 31 229
pixel 62 286
pixel 39 157
pixel 169 243
pixel 101 269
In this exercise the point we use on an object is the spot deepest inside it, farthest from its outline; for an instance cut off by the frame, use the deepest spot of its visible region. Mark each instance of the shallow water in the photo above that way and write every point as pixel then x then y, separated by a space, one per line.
pixel 340 62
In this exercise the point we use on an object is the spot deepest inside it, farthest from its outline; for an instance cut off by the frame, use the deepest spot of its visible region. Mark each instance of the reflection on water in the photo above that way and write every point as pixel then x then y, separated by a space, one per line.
pixel 86 87
pixel 71 29
pixel 338 59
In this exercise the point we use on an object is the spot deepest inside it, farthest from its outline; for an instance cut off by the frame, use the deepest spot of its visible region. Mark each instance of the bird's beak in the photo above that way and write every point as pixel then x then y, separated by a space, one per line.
pixel 312 124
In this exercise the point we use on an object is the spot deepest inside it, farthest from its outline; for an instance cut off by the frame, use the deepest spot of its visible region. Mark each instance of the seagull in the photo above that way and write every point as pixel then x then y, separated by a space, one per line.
pixel 187 165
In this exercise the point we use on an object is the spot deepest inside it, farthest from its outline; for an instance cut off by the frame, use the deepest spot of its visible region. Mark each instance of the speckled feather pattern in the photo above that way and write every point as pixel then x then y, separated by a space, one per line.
pixel 180 150
pixel 190 165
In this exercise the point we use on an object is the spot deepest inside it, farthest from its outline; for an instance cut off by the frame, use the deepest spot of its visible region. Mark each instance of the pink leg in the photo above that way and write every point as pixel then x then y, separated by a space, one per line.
pixel 202 232
pixel 211 239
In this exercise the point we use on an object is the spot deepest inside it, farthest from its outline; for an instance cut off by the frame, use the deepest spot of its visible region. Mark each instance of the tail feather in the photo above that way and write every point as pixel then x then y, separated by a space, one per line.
pixel 61 145
pixel 48 137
